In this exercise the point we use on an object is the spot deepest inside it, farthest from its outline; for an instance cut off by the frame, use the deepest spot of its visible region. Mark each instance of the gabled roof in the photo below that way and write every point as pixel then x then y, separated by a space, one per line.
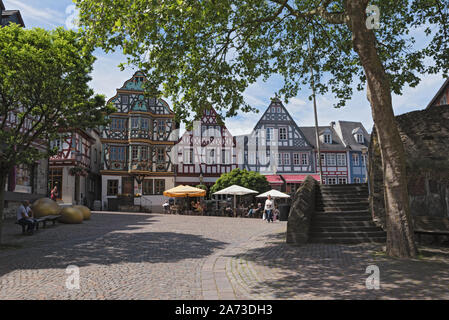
pixel 2 6
pixel 11 16
pixel 277 102
pixel 134 85
pixel 434 99
pixel 336 145
pixel 347 129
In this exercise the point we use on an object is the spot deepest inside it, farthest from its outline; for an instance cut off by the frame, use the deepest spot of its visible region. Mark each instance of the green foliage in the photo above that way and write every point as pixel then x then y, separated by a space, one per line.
pixel 248 179
pixel 201 186
pixel 44 79
pixel 200 52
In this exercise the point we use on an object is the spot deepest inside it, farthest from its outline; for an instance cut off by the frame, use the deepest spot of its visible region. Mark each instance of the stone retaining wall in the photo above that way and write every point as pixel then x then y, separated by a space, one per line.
pixel 425 136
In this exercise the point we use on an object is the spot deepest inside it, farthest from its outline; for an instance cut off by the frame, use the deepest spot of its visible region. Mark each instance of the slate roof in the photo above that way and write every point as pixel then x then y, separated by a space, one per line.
pixel 8 16
pixel 347 129
pixel 337 144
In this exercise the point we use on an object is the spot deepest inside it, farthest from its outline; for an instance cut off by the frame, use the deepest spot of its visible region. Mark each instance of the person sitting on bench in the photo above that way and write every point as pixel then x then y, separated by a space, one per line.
pixel 25 216
pixel 254 210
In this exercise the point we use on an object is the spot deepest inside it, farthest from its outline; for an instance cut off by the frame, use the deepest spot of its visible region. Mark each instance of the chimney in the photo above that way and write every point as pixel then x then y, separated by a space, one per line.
pixel 333 124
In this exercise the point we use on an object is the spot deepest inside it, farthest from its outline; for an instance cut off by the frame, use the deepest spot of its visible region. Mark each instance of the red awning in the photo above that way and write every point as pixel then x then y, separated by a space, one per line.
pixel 298 178
pixel 274 179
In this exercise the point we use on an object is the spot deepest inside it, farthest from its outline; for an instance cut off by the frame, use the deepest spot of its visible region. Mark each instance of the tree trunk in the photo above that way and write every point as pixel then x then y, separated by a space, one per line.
pixel 3 177
pixel 400 237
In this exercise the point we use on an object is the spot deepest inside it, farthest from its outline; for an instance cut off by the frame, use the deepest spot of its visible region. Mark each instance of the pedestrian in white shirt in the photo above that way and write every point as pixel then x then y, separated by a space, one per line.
pixel 25 216
pixel 269 205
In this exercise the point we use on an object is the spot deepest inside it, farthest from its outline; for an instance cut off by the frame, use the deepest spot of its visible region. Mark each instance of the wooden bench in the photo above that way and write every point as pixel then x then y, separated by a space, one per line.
pixel 434 226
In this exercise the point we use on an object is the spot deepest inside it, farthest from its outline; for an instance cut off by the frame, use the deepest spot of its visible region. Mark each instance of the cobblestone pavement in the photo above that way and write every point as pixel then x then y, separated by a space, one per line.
pixel 120 256
pixel 153 256
pixel 267 268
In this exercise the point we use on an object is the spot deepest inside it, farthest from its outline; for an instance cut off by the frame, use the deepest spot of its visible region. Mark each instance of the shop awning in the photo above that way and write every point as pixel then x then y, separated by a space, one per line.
pixel 274 179
pixel 298 178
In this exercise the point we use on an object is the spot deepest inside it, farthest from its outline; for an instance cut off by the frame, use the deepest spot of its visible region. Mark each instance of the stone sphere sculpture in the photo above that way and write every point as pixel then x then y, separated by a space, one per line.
pixel 85 211
pixel 45 207
pixel 71 215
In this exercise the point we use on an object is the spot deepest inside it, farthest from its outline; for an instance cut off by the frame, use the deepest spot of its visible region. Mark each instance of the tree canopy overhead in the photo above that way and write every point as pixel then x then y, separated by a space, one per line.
pixel 44 79
pixel 44 90
pixel 209 50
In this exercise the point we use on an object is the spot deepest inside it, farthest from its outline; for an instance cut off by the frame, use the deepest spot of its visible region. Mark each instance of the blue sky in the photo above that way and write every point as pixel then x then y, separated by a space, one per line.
pixel 107 77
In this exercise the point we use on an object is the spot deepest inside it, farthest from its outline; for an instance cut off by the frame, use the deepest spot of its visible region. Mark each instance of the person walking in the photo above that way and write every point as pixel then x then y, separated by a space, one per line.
pixel 269 205
pixel 54 193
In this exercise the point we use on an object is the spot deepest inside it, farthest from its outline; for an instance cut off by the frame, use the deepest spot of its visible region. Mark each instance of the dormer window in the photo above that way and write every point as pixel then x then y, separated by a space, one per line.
pixel 327 138
pixel 359 137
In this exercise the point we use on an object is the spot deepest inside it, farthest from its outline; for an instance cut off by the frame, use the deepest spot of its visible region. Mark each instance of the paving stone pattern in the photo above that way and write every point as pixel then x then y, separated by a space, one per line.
pixel 154 256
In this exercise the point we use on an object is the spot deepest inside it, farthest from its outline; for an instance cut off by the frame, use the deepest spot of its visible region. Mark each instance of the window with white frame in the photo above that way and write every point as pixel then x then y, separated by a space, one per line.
pixel 360 138
pixel 342 180
pixel 286 158
pixel 144 152
pixel 341 159
pixel 270 133
pixel 134 123
pixel 323 159
pixel 331 180
pixel 304 159
pixel 188 156
pixel 145 124
pixel 296 160
pixel 356 180
pixel 283 133
pixel 135 152
pixel 225 156
pixel 211 156
pixel 355 159
pixel 331 159
pixel 327 138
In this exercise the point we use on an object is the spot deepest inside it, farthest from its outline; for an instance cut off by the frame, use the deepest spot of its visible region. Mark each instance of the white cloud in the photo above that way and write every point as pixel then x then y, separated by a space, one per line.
pixel 43 15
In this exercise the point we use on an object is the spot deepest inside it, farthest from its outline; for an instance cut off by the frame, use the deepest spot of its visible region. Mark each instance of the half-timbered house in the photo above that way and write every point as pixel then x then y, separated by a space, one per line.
pixel 278 149
pixel 205 152
pixel 136 146
pixel 75 167
pixel 334 154
pixel 354 136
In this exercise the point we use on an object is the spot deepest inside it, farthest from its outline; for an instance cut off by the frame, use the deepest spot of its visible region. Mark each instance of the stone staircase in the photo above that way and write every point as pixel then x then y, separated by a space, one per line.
pixel 342 216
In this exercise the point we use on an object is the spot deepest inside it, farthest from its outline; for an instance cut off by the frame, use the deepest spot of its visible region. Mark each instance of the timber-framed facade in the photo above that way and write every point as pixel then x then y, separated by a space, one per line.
pixel 136 146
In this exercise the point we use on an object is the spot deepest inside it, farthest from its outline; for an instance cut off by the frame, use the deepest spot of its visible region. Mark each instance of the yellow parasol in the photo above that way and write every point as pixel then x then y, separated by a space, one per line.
pixel 184 191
